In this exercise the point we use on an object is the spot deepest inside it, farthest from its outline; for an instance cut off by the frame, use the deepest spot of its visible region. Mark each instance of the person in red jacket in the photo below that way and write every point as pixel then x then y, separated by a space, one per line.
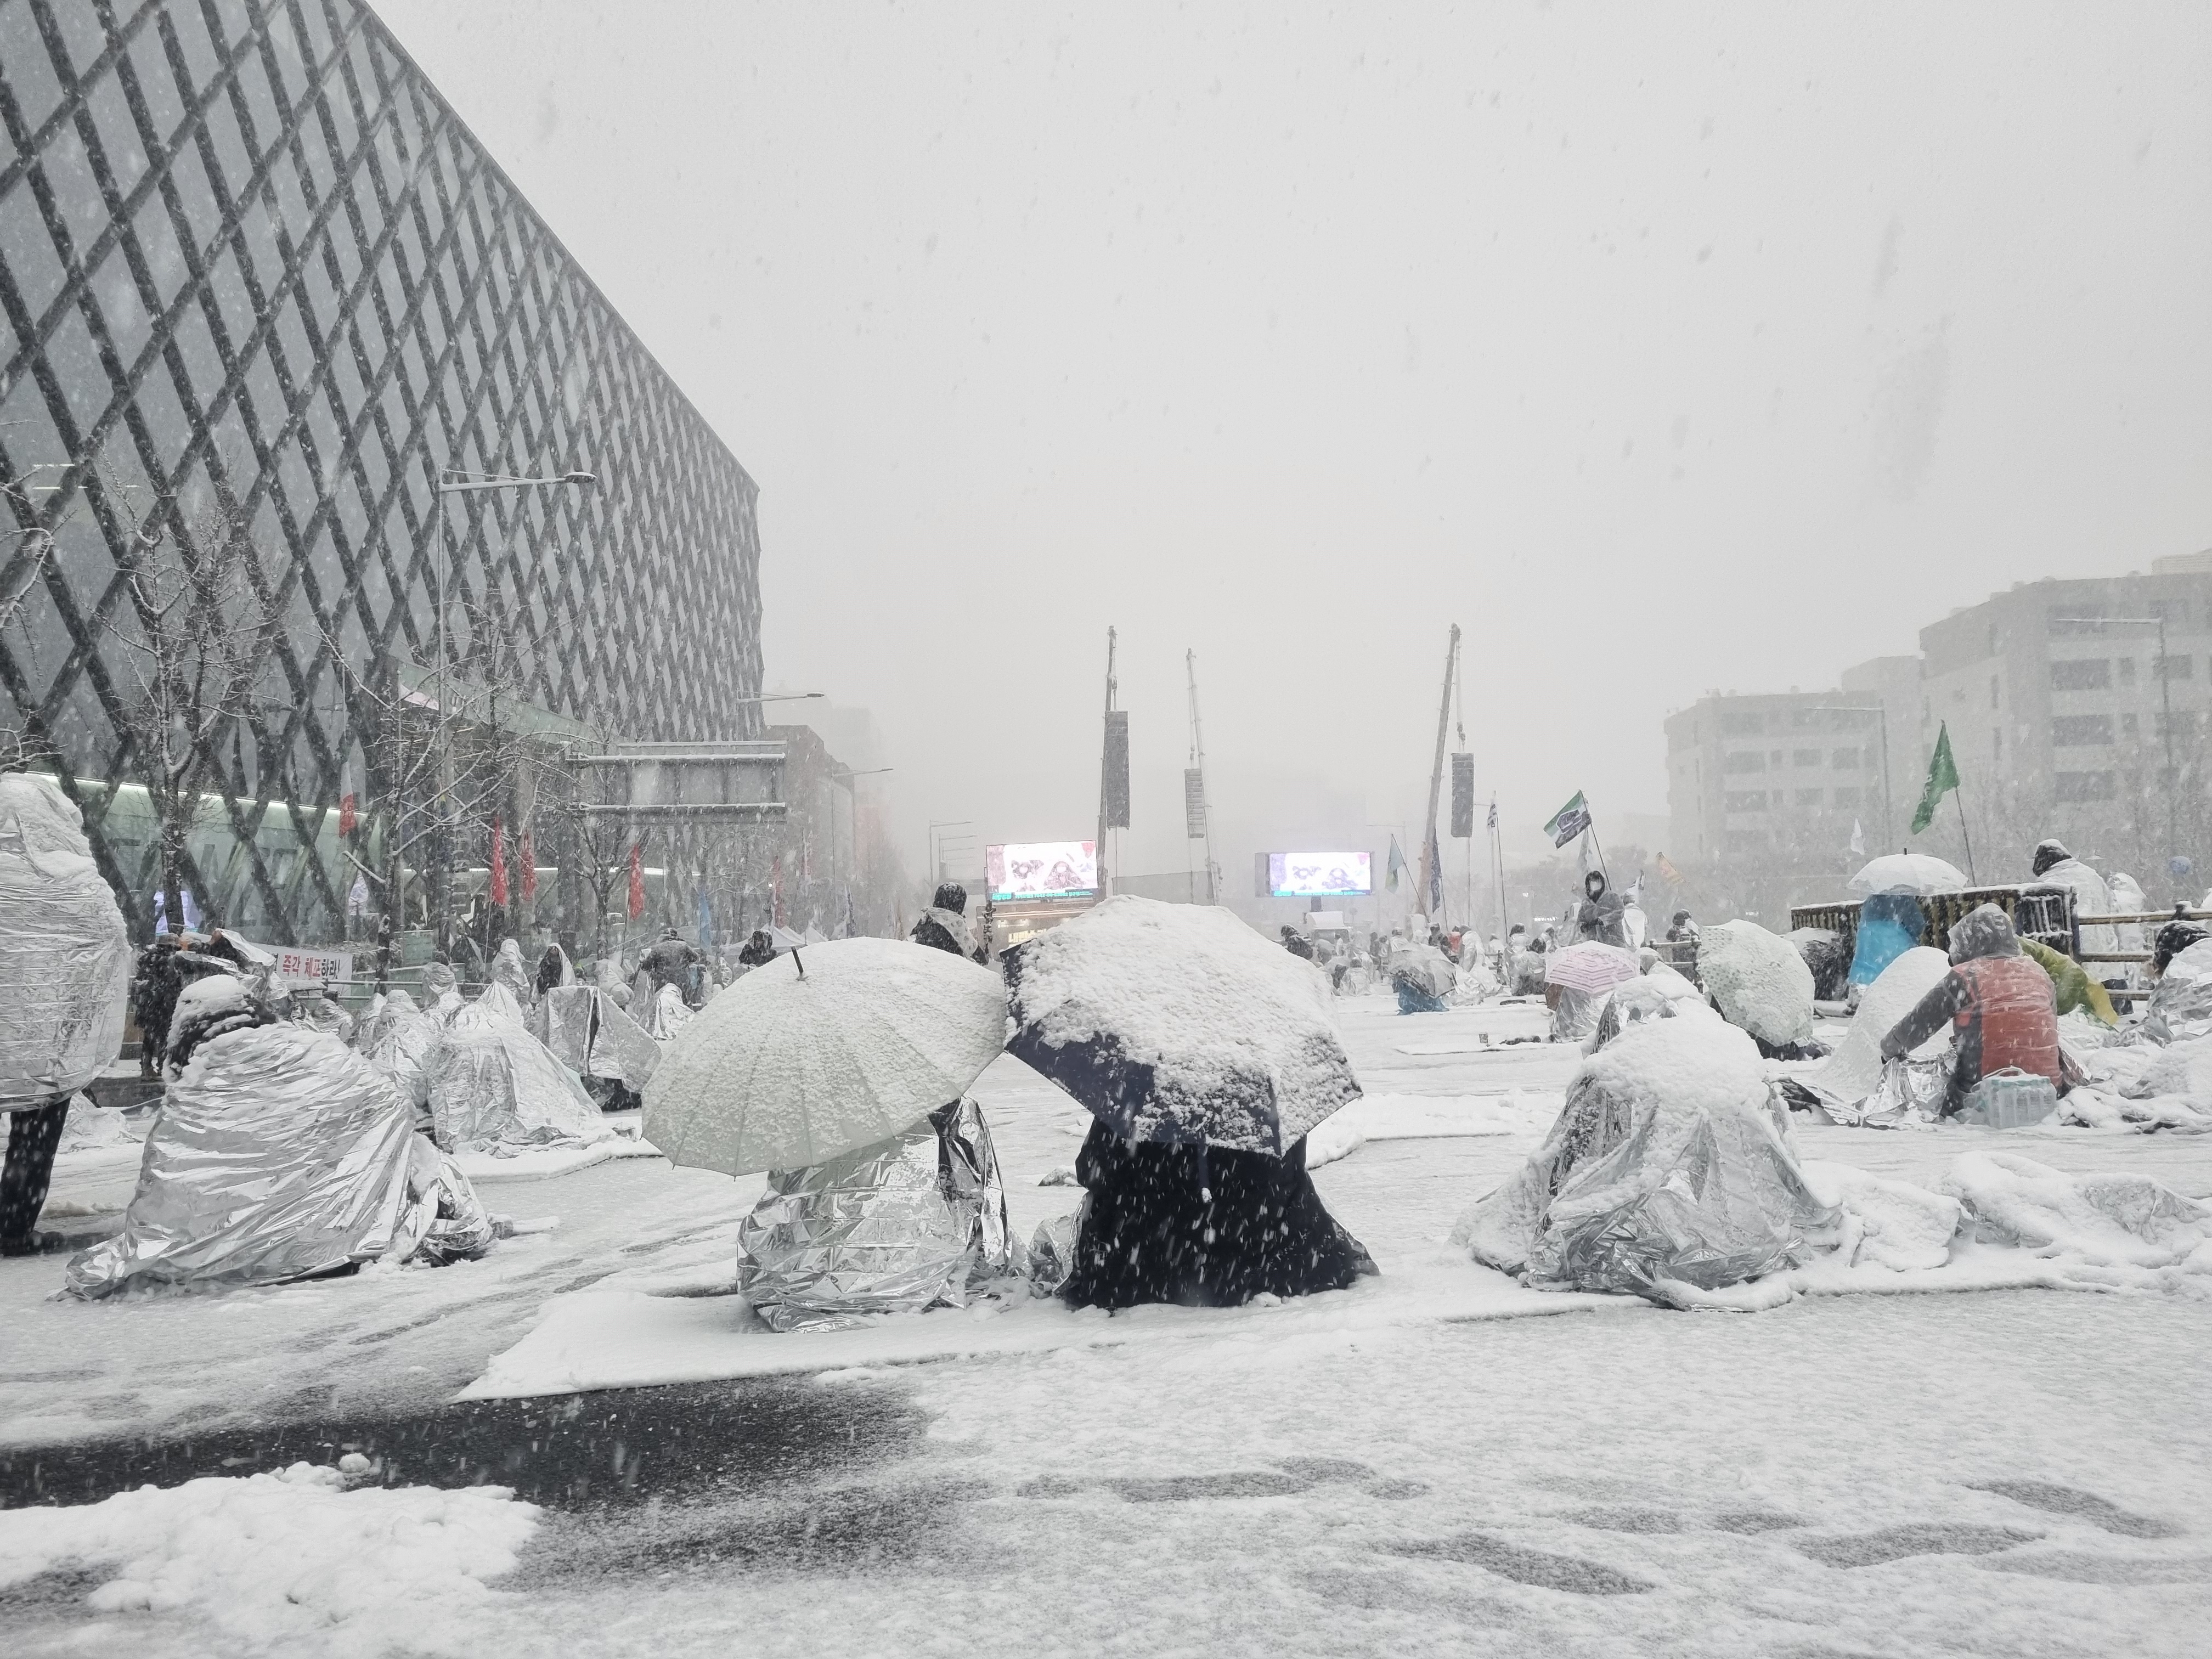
pixel 2000 1001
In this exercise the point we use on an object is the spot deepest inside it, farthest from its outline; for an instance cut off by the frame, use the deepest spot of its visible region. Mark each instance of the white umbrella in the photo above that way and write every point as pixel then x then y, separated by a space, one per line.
pixel 1916 873
pixel 820 1052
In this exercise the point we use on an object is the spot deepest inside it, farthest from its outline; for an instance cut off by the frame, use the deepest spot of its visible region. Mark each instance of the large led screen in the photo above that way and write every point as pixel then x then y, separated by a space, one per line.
pixel 1042 869
pixel 1320 875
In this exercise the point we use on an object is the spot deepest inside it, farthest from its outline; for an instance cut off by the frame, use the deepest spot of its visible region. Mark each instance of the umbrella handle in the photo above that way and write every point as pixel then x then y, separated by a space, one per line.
pixel 797 964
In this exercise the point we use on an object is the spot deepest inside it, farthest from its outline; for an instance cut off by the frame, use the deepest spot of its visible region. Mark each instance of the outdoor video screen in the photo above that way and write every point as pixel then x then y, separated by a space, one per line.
pixel 1042 869
pixel 1320 875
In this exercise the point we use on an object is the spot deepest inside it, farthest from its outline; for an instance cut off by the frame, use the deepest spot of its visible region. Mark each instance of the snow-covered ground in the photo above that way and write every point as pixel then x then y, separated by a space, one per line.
pixel 1405 1466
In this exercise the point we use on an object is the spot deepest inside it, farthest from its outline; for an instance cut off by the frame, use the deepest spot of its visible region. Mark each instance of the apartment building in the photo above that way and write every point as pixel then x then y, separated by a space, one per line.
pixel 2077 708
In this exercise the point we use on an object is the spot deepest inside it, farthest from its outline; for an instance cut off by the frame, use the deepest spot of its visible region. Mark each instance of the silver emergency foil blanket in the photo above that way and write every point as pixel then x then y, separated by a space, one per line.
pixel 2181 1000
pixel 64 957
pixel 397 1039
pixel 667 1015
pixel 280 1153
pixel 496 1089
pixel 914 1222
pixel 1669 1162
pixel 592 1037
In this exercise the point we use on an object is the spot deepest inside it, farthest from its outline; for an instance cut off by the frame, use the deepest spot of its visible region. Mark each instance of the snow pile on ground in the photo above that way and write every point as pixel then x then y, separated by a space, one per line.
pixel 1758 980
pixel 1886 1224
pixel 292 1562
pixel 1416 1117
pixel 1849 1074
pixel 2101 1108
pixel 2099 1220
pixel 2183 1068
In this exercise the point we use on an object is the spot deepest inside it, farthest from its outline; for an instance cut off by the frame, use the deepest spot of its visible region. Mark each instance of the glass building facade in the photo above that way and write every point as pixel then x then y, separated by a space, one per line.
pixel 254 271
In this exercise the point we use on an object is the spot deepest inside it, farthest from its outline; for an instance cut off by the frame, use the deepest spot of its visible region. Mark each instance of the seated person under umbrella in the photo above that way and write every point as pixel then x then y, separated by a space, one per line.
pixel 1205 1053
pixel 2000 1000
pixel 841 1071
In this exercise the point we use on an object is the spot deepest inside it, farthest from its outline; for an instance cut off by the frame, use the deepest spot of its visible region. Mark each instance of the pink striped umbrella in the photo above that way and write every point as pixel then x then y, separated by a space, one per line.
pixel 1589 966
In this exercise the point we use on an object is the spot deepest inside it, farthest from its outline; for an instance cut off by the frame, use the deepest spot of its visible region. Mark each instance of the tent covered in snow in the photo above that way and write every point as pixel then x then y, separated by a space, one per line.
pixel 1668 1165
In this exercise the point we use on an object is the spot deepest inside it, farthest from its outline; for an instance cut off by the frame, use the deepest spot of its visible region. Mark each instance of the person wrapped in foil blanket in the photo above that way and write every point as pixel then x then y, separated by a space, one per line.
pixel 912 1222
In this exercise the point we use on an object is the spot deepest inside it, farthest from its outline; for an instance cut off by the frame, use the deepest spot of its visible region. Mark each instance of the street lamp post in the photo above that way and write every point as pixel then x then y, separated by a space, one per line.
pixel 453 482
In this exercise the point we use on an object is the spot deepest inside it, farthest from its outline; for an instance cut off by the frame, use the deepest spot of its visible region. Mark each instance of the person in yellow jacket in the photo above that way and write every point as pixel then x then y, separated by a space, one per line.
pixel 2071 982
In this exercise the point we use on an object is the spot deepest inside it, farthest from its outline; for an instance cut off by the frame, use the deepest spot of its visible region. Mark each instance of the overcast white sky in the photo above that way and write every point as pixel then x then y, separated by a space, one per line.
pixel 1664 348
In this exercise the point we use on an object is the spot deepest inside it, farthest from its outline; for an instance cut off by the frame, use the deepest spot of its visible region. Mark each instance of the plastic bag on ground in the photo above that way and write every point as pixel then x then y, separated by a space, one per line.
pixel 914 1222
pixel 1667 1164
pixel 496 1089
pixel 64 957
pixel 279 1154
pixel 1759 981
pixel 666 1014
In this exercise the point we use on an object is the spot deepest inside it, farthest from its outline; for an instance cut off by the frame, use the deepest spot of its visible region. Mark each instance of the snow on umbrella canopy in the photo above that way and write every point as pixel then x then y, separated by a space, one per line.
pixel 1916 873
pixel 1589 966
pixel 820 1052
pixel 1178 1023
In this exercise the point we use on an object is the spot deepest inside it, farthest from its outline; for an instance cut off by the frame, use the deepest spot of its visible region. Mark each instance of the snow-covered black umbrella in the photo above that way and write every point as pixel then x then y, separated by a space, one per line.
pixel 1176 1022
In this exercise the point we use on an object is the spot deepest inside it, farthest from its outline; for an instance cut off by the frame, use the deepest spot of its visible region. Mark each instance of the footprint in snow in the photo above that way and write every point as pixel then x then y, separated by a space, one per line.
pixel 1527 1566
pixel 1870 1549
pixel 2054 1499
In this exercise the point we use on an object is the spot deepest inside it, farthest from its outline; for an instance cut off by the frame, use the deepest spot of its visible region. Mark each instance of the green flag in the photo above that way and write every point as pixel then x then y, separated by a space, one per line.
pixel 1569 821
pixel 1396 864
pixel 1943 778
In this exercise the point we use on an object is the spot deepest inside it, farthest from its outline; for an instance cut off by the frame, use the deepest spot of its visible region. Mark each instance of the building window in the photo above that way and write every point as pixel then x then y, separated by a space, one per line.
pixel 2172 668
pixel 2182 723
pixel 1805 758
pixel 1993 691
pixel 1997 742
pixel 1845 760
pixel 1739 723
pixel 2127 671
pixel 1776 757
pixel 1746 840
pixel 2084 786
pixel 1847 799
pixel 1744 760
pixel 1808 798
pixel 2129 727
pixel 2081 674
pixel 1753 800
pixel 2074 731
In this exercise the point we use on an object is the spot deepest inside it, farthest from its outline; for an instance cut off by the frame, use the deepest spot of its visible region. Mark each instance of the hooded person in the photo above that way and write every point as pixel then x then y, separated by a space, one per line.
pixel 1604 914
pixel 670 961
pixel 2054 866
pixel 1999 1001
pixel 2129 899
pixel 507 970
pixel 759 950
pixel 1296 943
pixel 554 971
pixel 1889 924
pixel 944 925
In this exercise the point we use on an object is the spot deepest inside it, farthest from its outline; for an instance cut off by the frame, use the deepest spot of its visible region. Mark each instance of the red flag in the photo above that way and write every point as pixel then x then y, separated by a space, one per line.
pixel 498 863
pixel 529 866
pixel 776 890
pixel 346 818
pixel 637 879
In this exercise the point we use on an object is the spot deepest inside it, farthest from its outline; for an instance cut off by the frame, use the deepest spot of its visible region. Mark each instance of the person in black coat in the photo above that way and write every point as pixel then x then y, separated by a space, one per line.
pixel 1201 1226
pixel 943 926
pixel 1296 943
pixel 759 950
